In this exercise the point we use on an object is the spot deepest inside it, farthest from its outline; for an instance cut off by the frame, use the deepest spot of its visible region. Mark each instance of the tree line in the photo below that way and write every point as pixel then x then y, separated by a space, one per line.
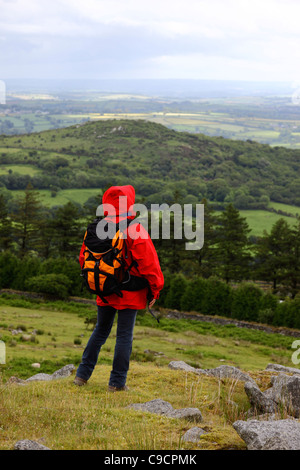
pixel 39 250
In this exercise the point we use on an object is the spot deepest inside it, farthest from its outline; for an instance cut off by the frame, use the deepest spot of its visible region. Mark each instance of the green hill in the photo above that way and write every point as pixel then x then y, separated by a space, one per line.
pixel 156 160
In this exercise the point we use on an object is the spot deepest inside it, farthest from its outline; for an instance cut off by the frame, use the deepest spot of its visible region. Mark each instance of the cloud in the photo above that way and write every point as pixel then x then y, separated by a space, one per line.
pixel 142 38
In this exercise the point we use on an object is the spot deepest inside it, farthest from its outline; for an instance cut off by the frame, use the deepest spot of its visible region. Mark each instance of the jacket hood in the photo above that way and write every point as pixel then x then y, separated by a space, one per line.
pixel 116 202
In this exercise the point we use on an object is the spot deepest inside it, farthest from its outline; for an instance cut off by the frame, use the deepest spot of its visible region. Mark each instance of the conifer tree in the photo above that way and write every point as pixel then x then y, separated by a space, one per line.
pixel 274 253
pixel 5 226
pixel 232 250
pixel 27 220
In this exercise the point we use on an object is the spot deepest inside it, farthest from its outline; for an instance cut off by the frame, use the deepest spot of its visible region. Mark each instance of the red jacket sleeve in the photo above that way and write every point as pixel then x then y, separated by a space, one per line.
pixel 81 255
pixel 143 252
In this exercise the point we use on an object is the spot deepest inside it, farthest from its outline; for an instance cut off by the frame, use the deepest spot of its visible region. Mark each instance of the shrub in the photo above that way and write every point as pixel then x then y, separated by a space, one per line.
pixel 218 298
pixel 55 285
pixel 178 284
pixel 246 302
pixel 194 295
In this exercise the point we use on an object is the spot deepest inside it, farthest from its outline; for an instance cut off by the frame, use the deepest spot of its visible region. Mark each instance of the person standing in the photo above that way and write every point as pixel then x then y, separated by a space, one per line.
pixel 142 256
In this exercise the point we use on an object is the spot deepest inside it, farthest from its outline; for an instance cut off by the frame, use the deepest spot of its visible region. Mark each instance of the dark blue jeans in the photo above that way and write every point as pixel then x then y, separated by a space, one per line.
pixel 123 347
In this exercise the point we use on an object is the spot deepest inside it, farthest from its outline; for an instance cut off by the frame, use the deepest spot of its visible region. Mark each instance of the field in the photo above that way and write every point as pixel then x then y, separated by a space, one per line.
pixel 65 417
pixel 266 119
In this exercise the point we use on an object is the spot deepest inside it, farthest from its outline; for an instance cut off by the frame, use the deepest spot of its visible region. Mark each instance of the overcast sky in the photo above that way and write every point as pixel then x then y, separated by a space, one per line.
pixel 198 39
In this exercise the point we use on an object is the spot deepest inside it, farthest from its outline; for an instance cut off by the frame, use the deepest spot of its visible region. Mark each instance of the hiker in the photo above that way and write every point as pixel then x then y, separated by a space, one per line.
pixel 141 257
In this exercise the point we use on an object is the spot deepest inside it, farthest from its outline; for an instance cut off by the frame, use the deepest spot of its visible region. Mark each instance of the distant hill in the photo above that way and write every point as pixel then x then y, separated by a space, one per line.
pixel 160 163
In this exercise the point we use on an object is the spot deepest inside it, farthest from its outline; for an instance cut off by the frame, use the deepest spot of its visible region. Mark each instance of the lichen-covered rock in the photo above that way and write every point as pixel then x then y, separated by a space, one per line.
pixel 181 365
pixel 165 408
pixel 286 392
pixel 284 369
pixel 260 402
pixel 27 444
pixel 158 406
pixel 281 434
pixel 191 414
pixel 64 372
pixel 193 434
pixel 221 372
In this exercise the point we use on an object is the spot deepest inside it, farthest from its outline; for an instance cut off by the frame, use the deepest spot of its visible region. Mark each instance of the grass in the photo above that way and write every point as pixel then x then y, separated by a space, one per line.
pixel 64 196
pixel 65 417
pixel 20 169
pixel 260 220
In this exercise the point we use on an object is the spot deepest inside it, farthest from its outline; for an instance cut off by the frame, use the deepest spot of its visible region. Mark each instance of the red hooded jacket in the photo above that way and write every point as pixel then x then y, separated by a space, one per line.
pixel 140 249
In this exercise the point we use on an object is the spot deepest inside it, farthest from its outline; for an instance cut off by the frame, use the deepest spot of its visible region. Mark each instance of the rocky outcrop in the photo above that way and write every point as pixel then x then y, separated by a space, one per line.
pixel 269 435
pixel 283 396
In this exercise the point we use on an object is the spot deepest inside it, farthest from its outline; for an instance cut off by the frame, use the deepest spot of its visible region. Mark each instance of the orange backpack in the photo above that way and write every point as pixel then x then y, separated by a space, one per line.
pixel 104 269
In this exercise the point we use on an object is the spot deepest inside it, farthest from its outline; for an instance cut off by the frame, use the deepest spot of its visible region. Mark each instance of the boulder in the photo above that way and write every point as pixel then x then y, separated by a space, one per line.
pixel 158 406
pixel 229 372
pixel 284 369
pixel 259 401
pixel 193 434
pixel 181 365
pixel 64 372
pixel 286 392
pixel 162 407
pixel 221 372
pixel 27 444
pixel 281 434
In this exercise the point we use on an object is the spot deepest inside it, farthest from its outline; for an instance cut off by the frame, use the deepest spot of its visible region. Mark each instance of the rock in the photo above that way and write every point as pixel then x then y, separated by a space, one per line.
pixel 225 372
pixel 17 331
pixel 162 407
pixel 36 365
pixel 191 414
pixel 286 392
pixel 284 369
pixel 158 406
pixel 27 444
pixel 39 378
pixel 284 395
pixel 260 402
pixel 181 365
pixel 15 380
pixel 155 353
pixel 221 372
pixel 65 371
pixel 193 434
pixel 26 337
pixel 282 434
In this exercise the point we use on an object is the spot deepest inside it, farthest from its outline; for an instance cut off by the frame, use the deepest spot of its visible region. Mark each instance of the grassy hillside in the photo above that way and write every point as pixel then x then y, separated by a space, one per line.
pixel 65 417
pixel 155 159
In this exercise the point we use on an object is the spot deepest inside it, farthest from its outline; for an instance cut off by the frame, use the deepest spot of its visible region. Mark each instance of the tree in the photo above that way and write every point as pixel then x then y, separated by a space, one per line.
pixel 274 253
pixel 292 275
pixel 27 220
pixel 68 230
pixel 5 226
pixel 232 250
pixel 205 256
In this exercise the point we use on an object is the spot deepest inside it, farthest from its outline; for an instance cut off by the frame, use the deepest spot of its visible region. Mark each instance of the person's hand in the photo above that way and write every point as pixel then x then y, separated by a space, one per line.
pixel 151 303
